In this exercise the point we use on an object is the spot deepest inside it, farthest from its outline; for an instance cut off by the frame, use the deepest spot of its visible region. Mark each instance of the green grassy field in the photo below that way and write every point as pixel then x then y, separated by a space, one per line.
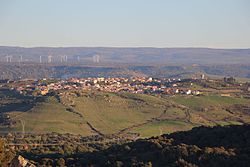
pixel 198 102
pixel 91 113
pixel 50 116
pixel 110 113
pixel 162 127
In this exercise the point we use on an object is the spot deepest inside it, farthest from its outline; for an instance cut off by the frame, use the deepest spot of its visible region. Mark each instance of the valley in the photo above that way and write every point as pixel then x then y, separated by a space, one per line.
pixel 85 121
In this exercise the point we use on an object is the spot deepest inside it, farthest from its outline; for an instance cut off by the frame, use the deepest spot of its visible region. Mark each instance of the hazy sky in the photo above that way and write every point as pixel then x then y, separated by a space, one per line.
pixel 156 23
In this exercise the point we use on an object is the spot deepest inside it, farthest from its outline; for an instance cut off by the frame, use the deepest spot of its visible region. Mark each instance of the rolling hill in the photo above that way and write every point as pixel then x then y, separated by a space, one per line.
pixel 135 115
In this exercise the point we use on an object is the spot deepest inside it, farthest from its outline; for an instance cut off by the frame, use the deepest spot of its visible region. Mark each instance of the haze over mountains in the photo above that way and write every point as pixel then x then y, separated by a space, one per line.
pixel 149 56
pixel 66 62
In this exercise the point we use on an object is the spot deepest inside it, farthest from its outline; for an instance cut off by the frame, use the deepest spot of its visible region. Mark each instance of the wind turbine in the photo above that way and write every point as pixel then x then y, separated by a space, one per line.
pixel 49 58
pixel 21 58
pixel 8 58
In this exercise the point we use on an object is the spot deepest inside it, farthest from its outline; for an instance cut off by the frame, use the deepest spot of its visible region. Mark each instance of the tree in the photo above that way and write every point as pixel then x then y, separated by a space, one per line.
pixel 6 155
pixel 60 162
pixel 67 149
pixel 82 148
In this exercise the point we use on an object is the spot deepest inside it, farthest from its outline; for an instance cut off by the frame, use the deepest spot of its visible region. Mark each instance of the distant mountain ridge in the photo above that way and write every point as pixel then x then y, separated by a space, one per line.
pixel 141 55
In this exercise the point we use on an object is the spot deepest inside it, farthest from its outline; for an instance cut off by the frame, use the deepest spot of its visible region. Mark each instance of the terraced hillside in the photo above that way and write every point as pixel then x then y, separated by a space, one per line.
pixel 132 115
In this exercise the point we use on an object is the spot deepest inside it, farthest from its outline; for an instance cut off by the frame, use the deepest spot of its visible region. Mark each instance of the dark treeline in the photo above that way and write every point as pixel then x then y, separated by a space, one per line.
pixel 202 146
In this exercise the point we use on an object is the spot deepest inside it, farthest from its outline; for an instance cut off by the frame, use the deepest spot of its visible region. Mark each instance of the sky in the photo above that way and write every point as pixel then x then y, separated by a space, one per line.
pixel 125 23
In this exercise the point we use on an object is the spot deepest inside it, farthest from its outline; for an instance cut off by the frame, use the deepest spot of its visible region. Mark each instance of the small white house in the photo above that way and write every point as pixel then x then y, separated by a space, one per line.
pixel 188 92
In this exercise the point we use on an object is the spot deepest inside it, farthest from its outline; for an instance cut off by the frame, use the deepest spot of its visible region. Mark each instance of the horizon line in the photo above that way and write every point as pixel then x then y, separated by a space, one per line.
pixel 124 47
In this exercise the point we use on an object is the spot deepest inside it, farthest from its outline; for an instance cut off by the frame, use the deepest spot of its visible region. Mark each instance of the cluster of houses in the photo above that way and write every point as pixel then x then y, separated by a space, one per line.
pixel 132 85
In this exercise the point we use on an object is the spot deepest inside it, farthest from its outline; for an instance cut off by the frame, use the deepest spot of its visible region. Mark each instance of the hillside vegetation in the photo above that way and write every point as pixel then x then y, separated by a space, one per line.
pixel 200 147
pixel 204 147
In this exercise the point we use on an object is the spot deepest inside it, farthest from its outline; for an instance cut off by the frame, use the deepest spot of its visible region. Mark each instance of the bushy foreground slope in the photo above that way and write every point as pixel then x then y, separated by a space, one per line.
pixel 202 146
pixel 227 146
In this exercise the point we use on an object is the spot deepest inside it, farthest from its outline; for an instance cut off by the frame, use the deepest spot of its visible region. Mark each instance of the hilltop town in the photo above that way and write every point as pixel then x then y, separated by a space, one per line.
pixel 137 85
